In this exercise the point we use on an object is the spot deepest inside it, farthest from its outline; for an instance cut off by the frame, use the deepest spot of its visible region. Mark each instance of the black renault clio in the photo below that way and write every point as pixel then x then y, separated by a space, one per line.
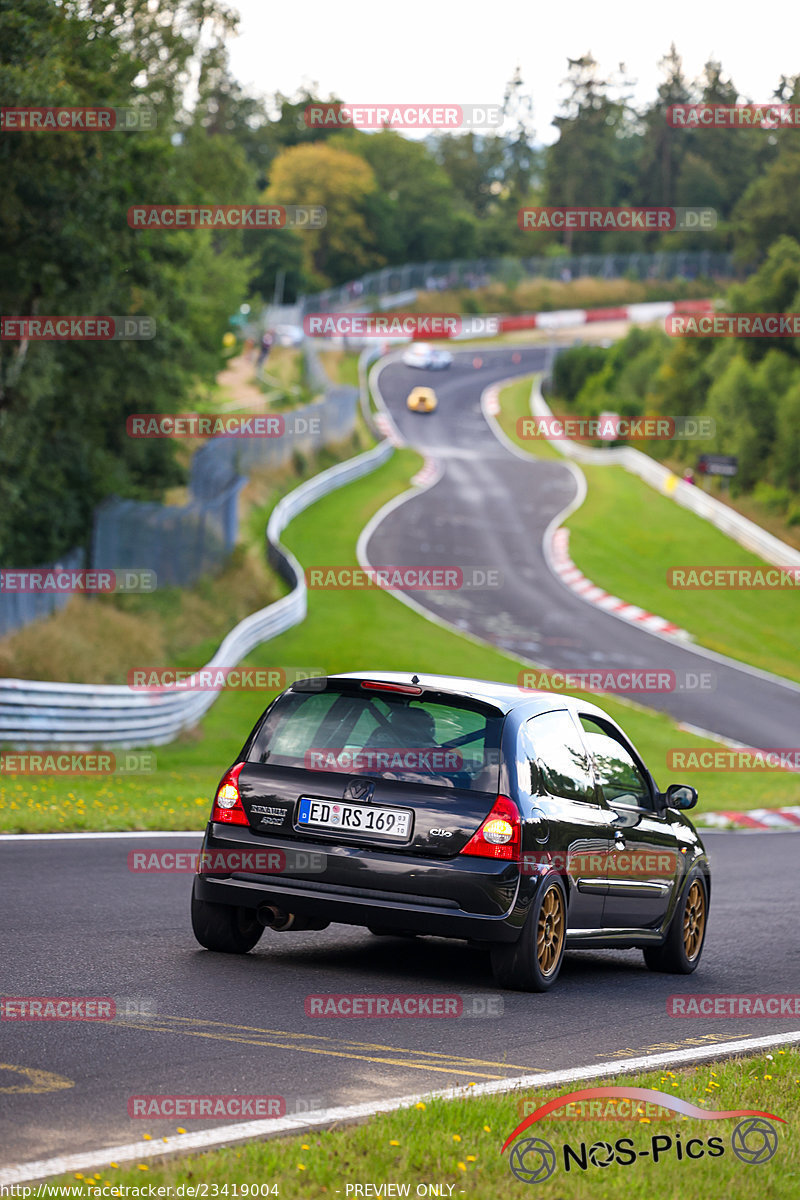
pixel 525 822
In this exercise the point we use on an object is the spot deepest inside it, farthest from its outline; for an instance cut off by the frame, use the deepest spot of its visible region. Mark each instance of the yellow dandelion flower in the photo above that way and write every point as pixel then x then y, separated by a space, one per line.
pixel 487 1128
pixel 462 1166
pixel 394 1143
pixel 419 1104
pixel 456 1137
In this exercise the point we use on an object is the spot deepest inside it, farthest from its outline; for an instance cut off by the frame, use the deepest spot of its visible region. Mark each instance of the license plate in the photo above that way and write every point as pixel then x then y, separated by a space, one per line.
pixel 354 818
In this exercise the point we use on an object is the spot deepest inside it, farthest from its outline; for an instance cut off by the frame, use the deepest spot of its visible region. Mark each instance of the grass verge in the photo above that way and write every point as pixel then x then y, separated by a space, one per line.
pixel 457 1143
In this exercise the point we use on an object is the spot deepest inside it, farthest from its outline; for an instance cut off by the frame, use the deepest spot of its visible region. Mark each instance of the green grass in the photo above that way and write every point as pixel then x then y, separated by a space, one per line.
pixel 458 1142
pixel 626 536
pixel 344 631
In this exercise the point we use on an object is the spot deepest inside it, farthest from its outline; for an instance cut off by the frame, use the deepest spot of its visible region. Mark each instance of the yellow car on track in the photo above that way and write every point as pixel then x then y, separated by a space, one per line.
pixel 422 399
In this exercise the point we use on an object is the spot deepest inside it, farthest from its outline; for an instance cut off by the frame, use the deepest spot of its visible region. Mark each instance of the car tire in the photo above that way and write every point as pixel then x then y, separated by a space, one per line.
pixel 680 952
pixel 532 963
pixel 226 928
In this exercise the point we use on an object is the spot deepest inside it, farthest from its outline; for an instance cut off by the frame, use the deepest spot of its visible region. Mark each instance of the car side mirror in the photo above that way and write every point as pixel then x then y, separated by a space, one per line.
pixel 680 795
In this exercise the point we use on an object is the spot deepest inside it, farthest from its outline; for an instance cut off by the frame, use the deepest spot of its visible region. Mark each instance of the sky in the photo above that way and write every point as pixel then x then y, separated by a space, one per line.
pixel 465 51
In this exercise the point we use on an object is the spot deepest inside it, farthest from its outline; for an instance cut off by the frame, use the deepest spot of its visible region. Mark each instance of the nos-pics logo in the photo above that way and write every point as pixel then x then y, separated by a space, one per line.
pixel 754 1140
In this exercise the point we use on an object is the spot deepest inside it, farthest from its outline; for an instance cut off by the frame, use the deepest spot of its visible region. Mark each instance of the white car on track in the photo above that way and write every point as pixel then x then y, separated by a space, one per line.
pixel 427 357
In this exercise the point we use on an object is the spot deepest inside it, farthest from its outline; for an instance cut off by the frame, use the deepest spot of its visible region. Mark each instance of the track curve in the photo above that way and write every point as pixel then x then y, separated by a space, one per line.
pixel 491 508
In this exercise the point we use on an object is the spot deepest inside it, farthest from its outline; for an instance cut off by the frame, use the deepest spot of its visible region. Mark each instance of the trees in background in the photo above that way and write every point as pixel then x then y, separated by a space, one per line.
pixel 66 247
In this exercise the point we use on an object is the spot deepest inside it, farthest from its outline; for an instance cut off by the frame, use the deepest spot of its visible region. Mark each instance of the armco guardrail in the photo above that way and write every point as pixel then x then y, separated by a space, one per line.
pixel 34 713
pixel 688 495
pixel 478 272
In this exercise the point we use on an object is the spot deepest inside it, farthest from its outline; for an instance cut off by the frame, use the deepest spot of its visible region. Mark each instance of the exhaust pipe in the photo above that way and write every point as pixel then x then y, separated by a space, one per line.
pixel 281 921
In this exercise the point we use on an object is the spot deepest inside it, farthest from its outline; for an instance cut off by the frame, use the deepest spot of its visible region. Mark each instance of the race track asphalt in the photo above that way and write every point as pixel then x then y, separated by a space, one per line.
pixel 78 922
pixel 490 510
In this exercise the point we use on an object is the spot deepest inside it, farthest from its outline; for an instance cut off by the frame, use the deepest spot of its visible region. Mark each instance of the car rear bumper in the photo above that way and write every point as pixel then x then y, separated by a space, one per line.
pixel 461 897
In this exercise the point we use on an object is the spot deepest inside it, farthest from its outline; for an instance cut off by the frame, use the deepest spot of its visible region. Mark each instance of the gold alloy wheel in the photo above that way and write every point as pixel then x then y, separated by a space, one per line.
pixel 550 932
pixel 694 920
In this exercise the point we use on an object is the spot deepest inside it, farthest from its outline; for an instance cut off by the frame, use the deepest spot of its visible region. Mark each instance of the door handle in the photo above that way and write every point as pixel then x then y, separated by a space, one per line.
pixel 619 840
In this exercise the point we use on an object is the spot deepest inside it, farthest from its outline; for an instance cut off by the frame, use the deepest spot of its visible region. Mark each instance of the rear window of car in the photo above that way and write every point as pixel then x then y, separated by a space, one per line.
pixel 446 742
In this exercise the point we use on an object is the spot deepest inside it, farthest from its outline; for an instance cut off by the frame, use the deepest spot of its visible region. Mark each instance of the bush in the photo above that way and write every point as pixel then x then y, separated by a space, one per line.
pixel 775 500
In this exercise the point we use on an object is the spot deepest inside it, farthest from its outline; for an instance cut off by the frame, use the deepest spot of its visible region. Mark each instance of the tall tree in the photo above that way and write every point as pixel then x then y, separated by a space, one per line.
pixel 589 164
pixel 343 183
pixel 664 148
pixel 66 248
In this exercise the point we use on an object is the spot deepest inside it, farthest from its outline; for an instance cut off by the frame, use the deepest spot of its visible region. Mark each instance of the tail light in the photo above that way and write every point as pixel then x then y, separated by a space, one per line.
pixel 227 802
pixel 500 834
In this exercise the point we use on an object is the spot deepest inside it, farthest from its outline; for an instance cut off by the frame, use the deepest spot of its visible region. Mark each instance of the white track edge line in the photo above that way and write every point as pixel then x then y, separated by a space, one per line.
pixel 214 1138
